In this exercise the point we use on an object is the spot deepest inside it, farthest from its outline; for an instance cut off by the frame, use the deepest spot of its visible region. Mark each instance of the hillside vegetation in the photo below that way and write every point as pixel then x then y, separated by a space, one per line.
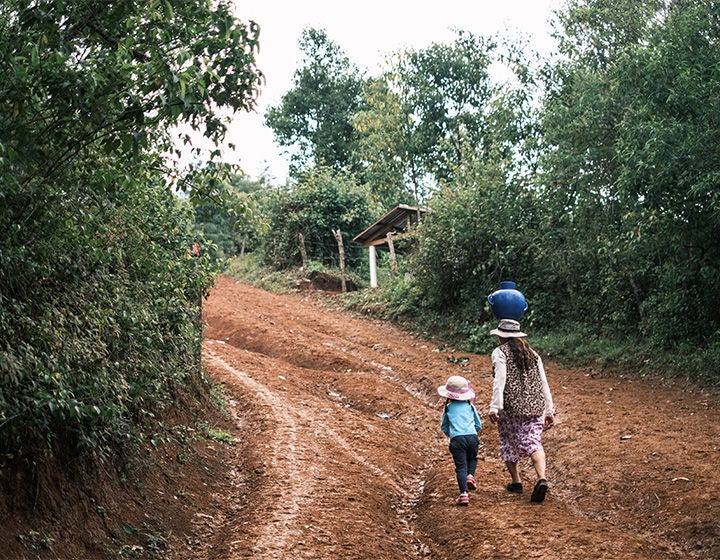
pixel 100 284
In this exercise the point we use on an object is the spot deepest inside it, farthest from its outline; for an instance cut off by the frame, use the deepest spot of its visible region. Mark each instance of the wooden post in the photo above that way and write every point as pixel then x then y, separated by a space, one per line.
pixel 341 250
pixel 393 260
pixel 303 253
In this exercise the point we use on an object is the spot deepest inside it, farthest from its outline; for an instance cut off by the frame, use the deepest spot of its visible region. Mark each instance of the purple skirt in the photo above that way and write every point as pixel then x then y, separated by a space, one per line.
pixel 520 436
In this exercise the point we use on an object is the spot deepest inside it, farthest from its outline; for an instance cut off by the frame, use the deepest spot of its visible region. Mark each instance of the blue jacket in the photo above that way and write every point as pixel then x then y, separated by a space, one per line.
pixel 460 418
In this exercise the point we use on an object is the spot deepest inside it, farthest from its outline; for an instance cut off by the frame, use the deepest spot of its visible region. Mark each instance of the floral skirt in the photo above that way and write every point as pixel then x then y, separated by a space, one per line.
pixel 520 436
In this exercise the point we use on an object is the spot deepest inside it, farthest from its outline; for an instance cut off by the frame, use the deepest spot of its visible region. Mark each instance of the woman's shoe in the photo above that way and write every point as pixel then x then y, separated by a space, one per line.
pixel 514 487
pixel 471 482
pixel 538 494
pixel 463 499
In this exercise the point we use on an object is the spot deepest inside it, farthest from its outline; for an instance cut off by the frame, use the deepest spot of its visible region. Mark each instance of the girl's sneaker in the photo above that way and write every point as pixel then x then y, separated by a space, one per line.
pixel 471 482
pixel 463 499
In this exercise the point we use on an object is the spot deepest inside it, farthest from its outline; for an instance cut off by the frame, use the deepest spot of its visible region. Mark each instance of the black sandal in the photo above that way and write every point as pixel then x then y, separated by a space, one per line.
pixel 538 494
pixel 514 487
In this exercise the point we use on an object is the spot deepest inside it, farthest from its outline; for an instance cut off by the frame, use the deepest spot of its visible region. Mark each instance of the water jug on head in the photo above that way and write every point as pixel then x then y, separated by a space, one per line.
pixel 507 302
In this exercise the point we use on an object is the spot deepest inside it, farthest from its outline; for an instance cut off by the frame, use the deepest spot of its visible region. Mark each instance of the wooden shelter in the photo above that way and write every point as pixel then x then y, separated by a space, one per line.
pixel 397 222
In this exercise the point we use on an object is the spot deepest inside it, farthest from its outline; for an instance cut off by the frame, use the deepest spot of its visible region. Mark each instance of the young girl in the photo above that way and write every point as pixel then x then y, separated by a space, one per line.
pixel 460 422
pixel 521 405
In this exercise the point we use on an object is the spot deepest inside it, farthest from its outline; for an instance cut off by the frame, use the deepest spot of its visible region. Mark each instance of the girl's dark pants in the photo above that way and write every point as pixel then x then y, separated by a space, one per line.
pixel 464 451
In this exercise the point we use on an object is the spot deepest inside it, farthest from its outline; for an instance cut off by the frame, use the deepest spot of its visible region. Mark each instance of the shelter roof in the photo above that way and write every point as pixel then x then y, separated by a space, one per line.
pixel 399 219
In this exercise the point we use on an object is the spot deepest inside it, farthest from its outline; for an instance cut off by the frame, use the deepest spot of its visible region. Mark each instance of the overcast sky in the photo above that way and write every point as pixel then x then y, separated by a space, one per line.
pixel 367 31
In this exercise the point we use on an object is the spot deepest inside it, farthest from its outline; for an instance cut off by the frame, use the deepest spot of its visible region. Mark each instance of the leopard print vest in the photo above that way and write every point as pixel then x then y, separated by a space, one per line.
pixel 523 395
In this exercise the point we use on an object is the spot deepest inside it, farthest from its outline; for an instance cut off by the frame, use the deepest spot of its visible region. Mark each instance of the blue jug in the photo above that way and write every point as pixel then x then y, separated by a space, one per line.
pixel 507 302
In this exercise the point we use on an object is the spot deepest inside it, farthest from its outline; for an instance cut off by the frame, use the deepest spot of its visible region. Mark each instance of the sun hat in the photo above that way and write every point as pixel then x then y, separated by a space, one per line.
pixel 508 328
pixel 456 388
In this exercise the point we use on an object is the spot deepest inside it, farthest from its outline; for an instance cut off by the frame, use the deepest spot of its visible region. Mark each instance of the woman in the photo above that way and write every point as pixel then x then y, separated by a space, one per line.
pixel 521 405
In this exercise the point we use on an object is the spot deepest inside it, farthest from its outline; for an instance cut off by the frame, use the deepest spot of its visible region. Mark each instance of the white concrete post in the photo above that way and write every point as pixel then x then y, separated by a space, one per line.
pixel 373 267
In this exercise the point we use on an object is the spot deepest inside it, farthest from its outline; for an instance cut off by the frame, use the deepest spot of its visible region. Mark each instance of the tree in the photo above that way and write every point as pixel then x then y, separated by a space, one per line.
pixel 91 75
pixel 232 226
pixel 427 115
pixel 313 118
pixel 382 151
pixel 481 230
pixel 99 293
pixel 445 92
pixel 630 123
pixel 322 200
pixel 484 214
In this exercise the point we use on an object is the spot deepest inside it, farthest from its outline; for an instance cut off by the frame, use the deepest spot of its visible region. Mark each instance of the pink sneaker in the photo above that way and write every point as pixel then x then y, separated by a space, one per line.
pixel 471 482
pixel 463 499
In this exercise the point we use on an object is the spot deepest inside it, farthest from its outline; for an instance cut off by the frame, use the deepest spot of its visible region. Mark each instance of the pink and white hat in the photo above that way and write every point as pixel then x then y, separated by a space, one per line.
pixel 456 388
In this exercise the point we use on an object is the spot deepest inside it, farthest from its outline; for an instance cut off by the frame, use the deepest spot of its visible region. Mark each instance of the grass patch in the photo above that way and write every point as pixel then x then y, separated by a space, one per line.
pixel 219 435
pixel 249 268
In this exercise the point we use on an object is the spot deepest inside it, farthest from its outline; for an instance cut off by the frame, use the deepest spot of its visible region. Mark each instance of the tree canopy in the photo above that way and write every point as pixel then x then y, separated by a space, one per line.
pixel 98 292
pixel 313 118
pixel 630 122
pixel 320 202
pixel 589 179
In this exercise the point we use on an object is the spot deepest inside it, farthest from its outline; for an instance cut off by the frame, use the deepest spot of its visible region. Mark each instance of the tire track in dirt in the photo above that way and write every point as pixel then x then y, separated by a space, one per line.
pixel 272 540
pixel 301 493
pixel 276 403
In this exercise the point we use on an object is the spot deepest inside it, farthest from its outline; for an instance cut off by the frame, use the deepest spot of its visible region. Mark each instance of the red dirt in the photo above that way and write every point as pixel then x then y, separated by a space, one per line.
pixel 316 470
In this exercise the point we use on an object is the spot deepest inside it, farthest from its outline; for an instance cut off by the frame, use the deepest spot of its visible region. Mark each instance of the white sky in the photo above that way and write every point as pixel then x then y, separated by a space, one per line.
pixel 367 31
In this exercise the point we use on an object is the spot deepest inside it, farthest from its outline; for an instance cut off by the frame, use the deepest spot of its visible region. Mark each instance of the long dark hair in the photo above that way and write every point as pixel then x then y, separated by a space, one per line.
pixel 523 355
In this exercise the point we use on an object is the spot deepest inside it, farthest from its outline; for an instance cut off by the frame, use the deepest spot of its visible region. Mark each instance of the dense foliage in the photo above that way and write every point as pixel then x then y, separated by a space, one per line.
pixel 589 180
pixel 313 118
pixel 233 225
pixel 99 292
pixel 320 202
pixel 631 120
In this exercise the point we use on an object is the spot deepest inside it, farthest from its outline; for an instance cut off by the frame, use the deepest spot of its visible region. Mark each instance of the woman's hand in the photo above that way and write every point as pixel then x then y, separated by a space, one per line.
pixel 549 422
pixel 493 417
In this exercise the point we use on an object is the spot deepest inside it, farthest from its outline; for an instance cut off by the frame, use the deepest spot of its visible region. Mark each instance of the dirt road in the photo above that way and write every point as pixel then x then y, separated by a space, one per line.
pixel 339 452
